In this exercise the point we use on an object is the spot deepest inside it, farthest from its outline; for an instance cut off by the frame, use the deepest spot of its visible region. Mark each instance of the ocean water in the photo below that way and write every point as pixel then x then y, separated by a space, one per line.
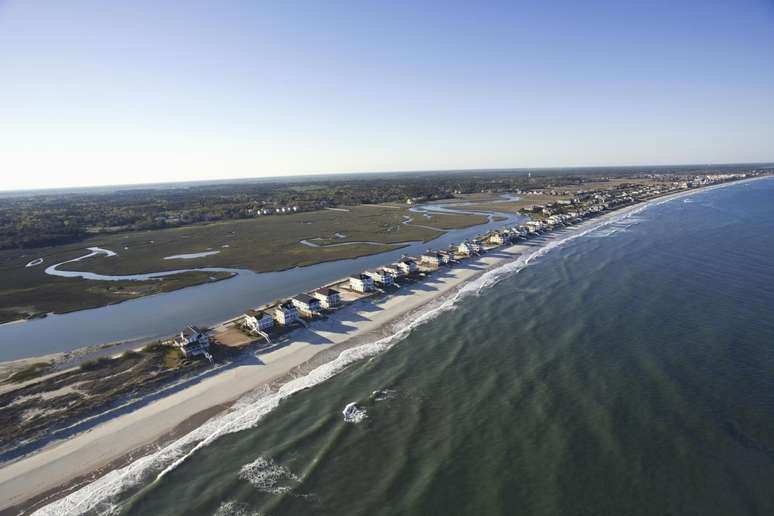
pixel 627 371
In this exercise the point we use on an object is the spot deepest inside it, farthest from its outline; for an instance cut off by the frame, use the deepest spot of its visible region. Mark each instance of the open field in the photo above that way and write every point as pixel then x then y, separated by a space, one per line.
pixel 260 244
pixel 268 243
pixel 515 206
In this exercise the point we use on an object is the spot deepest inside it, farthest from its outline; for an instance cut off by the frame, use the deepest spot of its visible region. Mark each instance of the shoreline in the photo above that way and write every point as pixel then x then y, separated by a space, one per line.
pixel 64 466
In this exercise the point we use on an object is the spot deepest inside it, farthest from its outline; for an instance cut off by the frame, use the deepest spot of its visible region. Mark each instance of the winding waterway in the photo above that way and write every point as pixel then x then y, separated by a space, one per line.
pixel 160 315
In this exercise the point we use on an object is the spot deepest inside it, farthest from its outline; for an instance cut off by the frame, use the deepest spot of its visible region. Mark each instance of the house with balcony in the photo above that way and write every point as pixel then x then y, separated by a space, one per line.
pixel 381 277
pixel 496 238
pixel 408 266
pixel 361 283
pixel 286 313
pixel 257 320
pixel 306 304
pixel 394 270
pixel 192 341
pixel 329 297
pixel 464 249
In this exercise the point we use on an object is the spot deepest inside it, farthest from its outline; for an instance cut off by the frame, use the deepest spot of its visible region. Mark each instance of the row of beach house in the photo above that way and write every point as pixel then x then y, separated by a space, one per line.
pixel 194 341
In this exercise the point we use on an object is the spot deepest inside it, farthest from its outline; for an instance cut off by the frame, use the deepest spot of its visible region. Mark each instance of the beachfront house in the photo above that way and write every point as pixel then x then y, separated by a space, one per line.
pixel 257 320
pixel 432 259
pixel 306 304
pixel 496 238
pixel 476 245
pixel 192 341
pixel 445 256
pixel 534 227
pixel 464 249
pixel 381 277
pixel 408 266
pixel 394 270
pixel 361 283
pixel 328 297
pixel 554 221
pixel 286 313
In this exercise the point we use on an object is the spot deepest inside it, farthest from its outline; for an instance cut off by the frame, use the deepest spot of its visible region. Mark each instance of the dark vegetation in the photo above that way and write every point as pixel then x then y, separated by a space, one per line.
pixel 29 372
pixel 56 218
pixel 36 411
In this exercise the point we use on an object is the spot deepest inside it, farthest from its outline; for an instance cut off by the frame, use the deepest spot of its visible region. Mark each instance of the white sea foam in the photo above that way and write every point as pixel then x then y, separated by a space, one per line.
pixel 232 508
pixel 252 408
pixel 268 476
pixel 354 413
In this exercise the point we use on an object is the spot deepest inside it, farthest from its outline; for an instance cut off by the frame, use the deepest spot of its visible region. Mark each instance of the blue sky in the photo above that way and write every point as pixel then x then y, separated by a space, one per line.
pixel 99 92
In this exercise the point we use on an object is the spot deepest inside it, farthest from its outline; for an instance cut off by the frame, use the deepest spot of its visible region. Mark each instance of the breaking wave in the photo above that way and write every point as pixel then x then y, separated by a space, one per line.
pixel 354 413
pixel 101 495
pixel 268 476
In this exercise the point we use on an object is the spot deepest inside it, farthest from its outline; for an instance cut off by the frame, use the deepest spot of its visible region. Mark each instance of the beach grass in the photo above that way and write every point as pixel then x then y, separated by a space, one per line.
pixel 29 372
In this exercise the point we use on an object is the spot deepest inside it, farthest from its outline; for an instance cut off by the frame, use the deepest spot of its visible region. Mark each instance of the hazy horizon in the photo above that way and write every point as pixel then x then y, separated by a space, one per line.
pixel 146 93
pixel 378 173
